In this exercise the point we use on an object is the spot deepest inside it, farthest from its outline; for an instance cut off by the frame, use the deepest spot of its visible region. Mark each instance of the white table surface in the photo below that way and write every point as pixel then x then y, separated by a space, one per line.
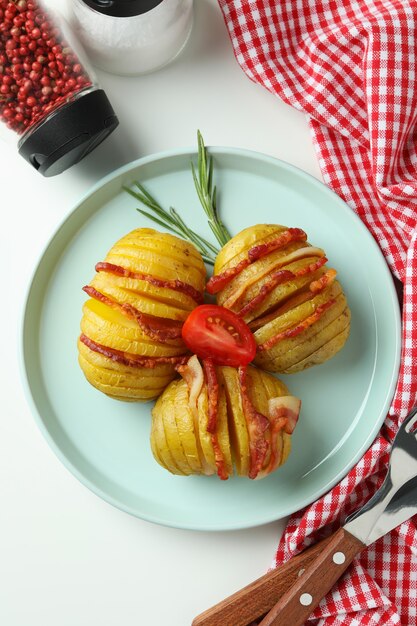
pixel 66 557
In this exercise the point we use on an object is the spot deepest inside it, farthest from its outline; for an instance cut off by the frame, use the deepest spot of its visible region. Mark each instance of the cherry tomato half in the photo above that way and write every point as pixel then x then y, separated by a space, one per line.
pixel 211 331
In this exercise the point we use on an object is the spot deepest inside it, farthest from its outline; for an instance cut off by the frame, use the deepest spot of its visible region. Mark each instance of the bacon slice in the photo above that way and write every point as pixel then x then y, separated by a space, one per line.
pixel 285 407
pixel 176 285
pixel 213 406
pixel 296 330
pixel 311 267
pixel 132 360
pixel 257 425
pixel 324 281
pixel 276 445
pixel 193 374
pixel 159 328
pixel 219 282
pixel 283 414
pixel 219 458
pixel 283 239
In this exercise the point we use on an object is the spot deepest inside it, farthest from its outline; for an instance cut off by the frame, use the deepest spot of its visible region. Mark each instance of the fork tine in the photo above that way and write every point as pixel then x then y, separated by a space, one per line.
pixel 410 420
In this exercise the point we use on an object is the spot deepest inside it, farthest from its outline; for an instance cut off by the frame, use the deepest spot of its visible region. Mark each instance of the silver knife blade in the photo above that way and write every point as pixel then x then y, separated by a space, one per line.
pixel 396 500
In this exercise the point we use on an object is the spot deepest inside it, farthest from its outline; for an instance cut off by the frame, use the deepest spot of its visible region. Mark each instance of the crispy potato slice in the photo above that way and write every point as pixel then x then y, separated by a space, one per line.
pixel 281 293
pixel 107 318
pixel 238 430
pixel 146 264
pixel 172 246
pixel 254 274
pixel 159 441
pixel 297 314
pixel 135 373
pixel 204 436
pixel 153 300
pixel 115 389
pixel 223 436
pixel 322 354
pixel 133 381
pixel 286 447
pixel 288 352
pixel 112 336
pixel 129 394
pixel 155 449
pixel 168 400
pixel 263 387
pixel 185 424
pixel 237 248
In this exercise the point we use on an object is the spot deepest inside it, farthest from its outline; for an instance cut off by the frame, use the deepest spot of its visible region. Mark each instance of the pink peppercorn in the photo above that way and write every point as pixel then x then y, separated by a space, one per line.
pixel 36 75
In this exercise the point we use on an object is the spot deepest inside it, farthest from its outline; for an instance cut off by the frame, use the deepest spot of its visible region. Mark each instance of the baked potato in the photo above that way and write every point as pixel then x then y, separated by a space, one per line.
pixel 218 419
pixel 141 294
pixel 280 285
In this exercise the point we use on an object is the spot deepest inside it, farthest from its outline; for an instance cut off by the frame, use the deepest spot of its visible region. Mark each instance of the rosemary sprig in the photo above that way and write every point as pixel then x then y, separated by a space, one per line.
pixel 207 193
pixel 172 221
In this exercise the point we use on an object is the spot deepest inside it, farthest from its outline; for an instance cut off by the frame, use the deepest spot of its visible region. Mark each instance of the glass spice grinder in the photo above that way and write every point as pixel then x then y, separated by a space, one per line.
pixel 132 37
pixel 51 105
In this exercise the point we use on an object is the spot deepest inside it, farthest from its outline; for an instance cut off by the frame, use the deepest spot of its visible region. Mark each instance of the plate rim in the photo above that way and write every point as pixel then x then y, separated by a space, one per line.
pixel 24 375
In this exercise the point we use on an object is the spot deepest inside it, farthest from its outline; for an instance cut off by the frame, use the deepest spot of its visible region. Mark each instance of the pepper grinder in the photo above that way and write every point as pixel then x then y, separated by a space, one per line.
pixel 52 108
pixel 132 37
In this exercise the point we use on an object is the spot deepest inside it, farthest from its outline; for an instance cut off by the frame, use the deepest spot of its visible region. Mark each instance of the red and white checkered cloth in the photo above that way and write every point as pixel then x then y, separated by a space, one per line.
pixel 351 67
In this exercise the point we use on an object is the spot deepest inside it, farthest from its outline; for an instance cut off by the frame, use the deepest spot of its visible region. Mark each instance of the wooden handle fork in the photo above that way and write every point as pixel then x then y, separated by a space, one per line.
pixel 292 591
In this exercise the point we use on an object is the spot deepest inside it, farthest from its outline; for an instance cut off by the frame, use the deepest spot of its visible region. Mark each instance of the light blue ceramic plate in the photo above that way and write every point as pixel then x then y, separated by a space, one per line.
pixel 105 443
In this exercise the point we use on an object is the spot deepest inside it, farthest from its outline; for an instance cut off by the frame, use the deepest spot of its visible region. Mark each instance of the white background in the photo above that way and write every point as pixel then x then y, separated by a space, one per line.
pixel 66 557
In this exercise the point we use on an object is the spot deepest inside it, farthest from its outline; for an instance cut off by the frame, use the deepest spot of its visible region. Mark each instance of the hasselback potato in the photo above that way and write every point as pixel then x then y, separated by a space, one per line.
pixel 141 294
pixel 218 418
pixel 280 285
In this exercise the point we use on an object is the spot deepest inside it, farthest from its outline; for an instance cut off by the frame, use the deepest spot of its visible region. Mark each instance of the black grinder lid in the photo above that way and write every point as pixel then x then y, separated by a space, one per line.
pixel 122 8
pixel 69 134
